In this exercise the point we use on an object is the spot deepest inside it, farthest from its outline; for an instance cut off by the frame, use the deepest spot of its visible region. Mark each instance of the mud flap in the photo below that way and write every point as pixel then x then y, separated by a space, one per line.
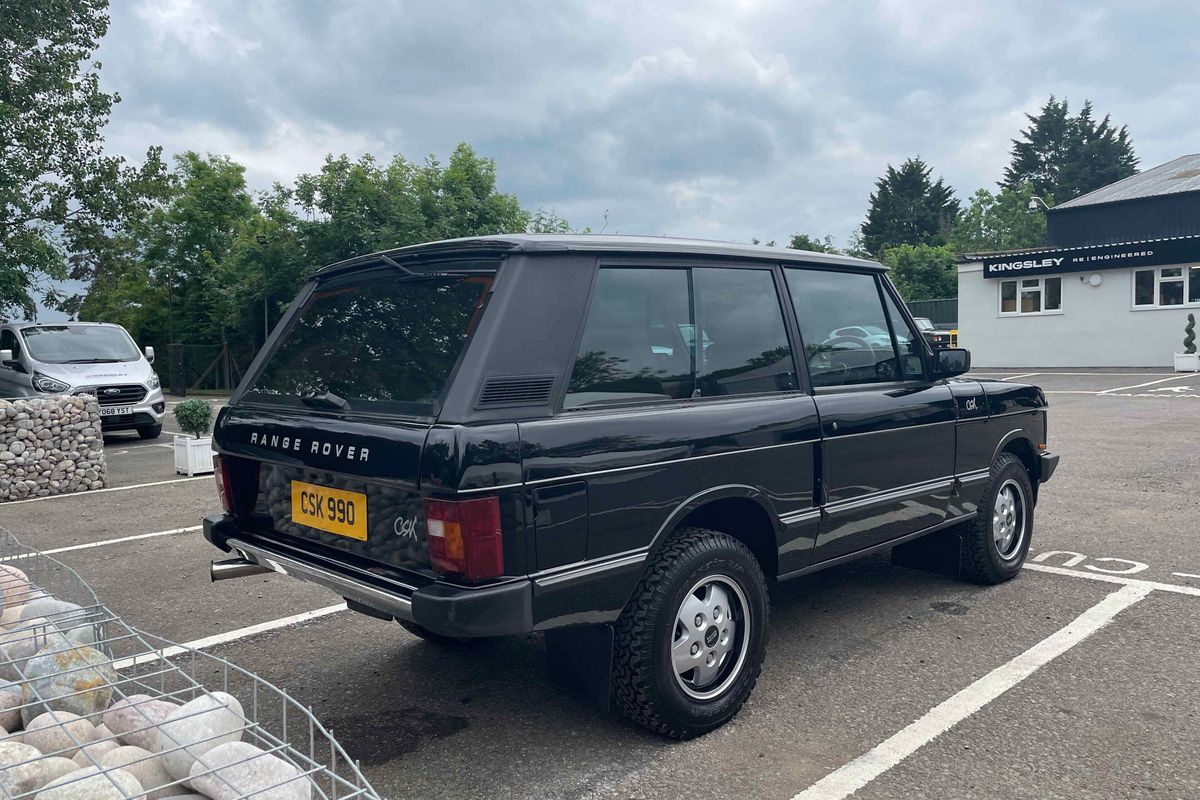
pixel 580 660
pixel 939 552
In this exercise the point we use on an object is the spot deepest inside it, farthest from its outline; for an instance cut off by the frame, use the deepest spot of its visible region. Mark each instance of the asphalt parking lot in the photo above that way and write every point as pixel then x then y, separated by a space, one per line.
pixel 1077 680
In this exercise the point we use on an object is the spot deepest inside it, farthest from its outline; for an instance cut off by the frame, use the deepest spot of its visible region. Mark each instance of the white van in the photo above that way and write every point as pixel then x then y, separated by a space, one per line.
pixel 93 358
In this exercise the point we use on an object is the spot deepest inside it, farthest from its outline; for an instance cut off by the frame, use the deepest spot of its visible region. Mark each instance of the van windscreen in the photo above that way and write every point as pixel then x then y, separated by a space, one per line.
pixel 376 342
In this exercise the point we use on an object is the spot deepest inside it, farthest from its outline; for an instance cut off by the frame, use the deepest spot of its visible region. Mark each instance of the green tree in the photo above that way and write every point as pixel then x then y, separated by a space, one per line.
pixel 923 271
pixel 908 207
pixel 60 195
pixel 1067 156
pixel 802 241
pixel 176 284
pixel 1000 221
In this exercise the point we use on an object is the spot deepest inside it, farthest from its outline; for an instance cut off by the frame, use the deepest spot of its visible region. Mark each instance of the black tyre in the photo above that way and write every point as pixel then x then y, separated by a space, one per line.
pixel 150 432
pixel 996 542
pixel 689 646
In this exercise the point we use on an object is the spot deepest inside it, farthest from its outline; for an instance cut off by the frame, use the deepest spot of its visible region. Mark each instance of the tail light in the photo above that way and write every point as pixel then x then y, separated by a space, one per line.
pixel 221 474
pixel 464 537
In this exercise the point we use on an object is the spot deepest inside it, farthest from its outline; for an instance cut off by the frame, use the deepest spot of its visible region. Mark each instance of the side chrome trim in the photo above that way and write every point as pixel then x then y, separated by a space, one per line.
pixel 587 568
pixel 974 476
pixel 795 517
pixel 891 430
pixel 923 487
pixel 1022 411
pixel 388 602
pixel 649 465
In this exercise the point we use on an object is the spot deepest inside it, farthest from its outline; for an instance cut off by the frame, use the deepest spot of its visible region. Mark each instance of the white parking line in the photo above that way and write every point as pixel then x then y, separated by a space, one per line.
pixel 91 492
pixel 230 636
pixel 848 779
pixel 1148 383
pixel 104 542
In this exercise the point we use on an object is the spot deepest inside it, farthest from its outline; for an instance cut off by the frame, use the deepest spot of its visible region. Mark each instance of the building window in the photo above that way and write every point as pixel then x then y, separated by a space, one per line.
pixel 1031 296
pixel 1166 287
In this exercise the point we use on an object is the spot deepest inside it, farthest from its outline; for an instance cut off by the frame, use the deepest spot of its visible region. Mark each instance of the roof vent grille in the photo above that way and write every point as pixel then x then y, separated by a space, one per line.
pixel 523 390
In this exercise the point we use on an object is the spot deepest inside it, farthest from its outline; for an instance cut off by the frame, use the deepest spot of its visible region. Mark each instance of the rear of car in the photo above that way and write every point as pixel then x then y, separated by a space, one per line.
pixel 98 359
pixel 333 466
pixel 937 338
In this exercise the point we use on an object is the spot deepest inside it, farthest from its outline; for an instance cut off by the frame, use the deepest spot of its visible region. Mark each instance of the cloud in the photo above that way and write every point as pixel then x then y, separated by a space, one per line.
pixel 730 120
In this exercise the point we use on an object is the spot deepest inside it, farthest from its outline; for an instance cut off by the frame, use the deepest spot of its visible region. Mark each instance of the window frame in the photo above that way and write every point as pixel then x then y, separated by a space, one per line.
pixel 803 386
pixel 1185 278
pixel 882 286
pixel 1041 288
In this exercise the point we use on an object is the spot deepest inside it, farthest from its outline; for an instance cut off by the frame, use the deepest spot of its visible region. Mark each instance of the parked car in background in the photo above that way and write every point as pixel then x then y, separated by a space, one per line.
pixel 620 441
pixel 937 338
pixel 93 358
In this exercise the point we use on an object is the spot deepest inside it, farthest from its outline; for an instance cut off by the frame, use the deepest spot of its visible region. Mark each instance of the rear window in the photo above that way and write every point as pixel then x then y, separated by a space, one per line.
pixel 376 342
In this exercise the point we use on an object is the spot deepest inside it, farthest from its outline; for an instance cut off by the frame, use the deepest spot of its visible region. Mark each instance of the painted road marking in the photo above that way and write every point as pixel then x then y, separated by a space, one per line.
pixel 229 636
pixel 104 542
pixel 1147 383
pixel 848 779
pixel 91 492
pixel 1157 586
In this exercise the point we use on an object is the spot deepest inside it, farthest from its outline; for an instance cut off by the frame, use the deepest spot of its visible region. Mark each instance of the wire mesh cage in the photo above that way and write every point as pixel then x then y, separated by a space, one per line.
pixel 94 708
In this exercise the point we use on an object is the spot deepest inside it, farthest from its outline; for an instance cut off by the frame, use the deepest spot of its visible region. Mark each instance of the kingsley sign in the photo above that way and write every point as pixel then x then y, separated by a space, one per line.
pixel 1155 252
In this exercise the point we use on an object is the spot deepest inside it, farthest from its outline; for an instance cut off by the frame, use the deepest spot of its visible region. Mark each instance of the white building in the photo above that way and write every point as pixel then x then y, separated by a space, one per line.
pixel 1112 288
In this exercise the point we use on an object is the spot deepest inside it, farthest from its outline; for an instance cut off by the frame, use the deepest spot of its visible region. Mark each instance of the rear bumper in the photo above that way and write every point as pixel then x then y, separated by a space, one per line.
pixel 447 609
pixel 1047 463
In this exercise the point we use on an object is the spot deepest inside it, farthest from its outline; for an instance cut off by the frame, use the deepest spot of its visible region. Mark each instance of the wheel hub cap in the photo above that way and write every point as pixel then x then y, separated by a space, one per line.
pixel 1008 520
pixel 709 644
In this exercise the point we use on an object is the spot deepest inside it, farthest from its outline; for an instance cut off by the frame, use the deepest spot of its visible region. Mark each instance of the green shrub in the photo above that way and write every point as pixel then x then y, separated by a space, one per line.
pixel 194 416
pixel 1189 335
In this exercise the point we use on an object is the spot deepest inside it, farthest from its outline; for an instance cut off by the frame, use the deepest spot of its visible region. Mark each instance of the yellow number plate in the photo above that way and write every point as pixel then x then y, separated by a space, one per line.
pixel 333 510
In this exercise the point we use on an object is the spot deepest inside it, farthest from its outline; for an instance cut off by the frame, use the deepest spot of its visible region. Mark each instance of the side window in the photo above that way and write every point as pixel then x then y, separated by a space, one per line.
pixel 8 341
pixel 909 343
pixel 745 347
pixel 841 316
pixel 637 339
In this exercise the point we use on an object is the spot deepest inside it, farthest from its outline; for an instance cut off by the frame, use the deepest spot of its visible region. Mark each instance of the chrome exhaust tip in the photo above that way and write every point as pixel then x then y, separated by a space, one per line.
pixel 234 568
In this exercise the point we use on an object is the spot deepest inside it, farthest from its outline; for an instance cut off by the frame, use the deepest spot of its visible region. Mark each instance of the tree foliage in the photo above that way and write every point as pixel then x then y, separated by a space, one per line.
pixel 909 207
pixel 815 244
pixel 61 196
pixel 214 263
pixel 1067 156
pixel 923 271
pixel 1001 221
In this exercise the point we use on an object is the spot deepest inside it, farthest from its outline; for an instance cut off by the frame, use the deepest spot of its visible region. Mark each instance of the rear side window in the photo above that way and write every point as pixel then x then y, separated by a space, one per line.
pixel 375 342
pixel 846 336
pixel 675 333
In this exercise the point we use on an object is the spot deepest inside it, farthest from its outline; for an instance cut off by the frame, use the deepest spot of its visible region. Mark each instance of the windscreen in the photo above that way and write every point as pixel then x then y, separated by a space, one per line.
pixel 380 341
pixel 79 344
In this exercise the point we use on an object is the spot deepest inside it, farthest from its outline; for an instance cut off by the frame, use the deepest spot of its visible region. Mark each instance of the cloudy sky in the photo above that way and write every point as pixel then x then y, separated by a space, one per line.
pixel 727 120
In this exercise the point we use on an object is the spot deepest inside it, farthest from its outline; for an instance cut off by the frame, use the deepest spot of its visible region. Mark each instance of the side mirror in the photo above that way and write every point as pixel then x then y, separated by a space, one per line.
pixel 6 356
pixel 951 361
pixel 149 353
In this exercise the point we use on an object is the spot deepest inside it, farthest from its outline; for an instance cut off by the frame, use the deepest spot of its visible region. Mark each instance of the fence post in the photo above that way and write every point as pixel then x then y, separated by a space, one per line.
pixel 228 367
pixel 175 369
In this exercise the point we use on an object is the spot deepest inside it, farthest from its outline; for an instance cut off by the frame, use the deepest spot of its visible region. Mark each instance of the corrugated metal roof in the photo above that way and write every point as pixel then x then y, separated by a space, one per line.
pixel 1173 177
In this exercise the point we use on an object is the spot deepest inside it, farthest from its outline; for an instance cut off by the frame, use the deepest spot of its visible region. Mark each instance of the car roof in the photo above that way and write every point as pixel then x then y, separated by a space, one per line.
pixel 604 243
pixel 24 325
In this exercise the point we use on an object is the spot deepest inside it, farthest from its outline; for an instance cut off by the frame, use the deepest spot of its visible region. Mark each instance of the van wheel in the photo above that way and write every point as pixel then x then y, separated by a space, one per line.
pixel 689 646
pixel 996 542
pixel 150 432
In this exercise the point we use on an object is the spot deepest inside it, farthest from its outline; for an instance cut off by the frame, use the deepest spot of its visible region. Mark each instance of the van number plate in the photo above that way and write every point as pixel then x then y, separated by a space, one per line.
pixel 115 411
pixel 332 510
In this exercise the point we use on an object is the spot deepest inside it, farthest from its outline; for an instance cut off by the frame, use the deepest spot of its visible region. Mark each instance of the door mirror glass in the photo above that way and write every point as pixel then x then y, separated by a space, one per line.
pixel 951 361
pixel 6 356
pixel 149 353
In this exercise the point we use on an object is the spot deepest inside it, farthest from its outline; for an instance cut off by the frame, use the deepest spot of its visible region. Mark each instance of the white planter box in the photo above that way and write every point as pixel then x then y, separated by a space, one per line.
pixel 193 456
pixel 1187 362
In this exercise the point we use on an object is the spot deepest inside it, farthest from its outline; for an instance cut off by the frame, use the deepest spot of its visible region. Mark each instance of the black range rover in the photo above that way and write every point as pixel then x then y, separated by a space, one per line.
pixel 620 441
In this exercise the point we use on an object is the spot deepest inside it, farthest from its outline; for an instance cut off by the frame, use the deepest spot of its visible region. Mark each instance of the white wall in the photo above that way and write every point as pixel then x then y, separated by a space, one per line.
pixel 1097 327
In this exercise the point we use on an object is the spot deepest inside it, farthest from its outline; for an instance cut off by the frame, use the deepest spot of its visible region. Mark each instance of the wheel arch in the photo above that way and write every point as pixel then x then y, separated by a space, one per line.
pixel 1019 443
pixel 743 512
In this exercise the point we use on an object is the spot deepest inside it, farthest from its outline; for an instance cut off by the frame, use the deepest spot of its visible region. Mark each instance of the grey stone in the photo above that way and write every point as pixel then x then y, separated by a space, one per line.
pixel 21 769
pixel 235 770
pixel 197 727
pixel 93 784
pixel 79 680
